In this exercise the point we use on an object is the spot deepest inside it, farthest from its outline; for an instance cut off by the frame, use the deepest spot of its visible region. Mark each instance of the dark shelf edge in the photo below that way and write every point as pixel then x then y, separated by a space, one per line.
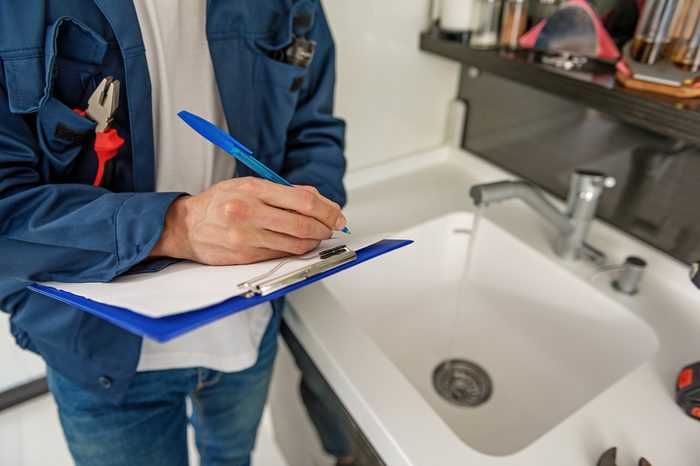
pixel 18 395
pixel 629 106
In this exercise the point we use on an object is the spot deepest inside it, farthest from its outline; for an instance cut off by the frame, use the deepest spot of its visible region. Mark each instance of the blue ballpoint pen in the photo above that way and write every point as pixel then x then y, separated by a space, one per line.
pixel 230 145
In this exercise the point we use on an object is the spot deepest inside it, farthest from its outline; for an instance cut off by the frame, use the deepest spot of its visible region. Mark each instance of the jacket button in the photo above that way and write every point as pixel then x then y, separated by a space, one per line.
pixel 105 381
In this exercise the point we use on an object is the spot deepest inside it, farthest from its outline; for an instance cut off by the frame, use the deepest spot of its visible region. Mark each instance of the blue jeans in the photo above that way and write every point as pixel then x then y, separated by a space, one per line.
pixel 150 427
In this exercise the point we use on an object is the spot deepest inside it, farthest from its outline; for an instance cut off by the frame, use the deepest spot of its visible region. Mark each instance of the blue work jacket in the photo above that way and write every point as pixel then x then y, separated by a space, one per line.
pixel 54 225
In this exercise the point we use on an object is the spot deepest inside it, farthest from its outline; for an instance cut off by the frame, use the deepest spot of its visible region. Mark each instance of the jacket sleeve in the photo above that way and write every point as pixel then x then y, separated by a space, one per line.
pixel 66 232
pixel 315 139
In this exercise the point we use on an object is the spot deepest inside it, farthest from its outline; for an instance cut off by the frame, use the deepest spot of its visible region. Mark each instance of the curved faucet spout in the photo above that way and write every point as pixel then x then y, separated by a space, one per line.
pixel 585 190
pixel 485 194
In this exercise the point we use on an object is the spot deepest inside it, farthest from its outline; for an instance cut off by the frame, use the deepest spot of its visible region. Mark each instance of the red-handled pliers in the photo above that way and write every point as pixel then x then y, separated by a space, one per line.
pixel 101 106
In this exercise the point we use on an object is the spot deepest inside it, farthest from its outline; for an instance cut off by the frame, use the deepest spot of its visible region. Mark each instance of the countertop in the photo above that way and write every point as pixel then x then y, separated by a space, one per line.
pixel 637 414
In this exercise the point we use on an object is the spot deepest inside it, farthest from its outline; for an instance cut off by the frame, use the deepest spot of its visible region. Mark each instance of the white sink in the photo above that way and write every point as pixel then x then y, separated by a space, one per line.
pixel 548 340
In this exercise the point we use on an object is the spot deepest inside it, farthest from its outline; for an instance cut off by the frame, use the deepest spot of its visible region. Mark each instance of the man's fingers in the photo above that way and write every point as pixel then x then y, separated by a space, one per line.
pixel 291 223
pixel 314 190
pixel 303 201
pixel 259 238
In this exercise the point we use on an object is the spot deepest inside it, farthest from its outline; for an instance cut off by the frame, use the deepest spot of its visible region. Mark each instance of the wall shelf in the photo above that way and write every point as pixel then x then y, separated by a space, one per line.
pixel 677 118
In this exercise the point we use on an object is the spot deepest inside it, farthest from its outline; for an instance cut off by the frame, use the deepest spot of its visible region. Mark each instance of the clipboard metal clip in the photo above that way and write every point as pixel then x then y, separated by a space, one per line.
pixel 329 259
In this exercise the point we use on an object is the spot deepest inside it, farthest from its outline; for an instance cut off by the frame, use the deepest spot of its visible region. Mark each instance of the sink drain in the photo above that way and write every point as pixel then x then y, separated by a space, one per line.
pixel 461 382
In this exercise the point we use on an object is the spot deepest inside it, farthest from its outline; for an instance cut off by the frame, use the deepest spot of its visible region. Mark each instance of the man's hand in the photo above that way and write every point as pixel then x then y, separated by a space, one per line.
pixel 247 220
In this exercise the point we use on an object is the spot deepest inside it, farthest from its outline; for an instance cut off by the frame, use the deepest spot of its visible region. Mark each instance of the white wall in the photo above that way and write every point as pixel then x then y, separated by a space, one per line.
pixel 30 435
pixel 16 366
pixel 393 96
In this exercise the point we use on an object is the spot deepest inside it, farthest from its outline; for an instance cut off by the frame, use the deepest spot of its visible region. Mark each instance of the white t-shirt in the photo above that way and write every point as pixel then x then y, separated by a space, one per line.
pixel 182 78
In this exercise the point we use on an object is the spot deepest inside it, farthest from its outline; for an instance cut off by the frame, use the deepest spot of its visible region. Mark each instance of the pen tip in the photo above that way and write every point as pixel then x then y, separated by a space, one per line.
pixel 345 230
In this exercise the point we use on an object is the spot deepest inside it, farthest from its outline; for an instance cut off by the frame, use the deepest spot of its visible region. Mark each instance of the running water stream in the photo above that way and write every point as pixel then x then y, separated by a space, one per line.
pixel 463 284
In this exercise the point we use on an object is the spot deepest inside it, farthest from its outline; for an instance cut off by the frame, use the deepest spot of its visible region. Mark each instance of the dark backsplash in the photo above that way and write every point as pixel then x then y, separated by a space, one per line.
pixel 543 138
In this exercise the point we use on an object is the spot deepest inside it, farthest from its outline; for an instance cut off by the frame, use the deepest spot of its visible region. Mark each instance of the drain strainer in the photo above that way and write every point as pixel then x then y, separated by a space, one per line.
pixel 461 382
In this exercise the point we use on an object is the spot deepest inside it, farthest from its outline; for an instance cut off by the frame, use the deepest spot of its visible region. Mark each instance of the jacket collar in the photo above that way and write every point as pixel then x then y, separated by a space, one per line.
pixel 122 17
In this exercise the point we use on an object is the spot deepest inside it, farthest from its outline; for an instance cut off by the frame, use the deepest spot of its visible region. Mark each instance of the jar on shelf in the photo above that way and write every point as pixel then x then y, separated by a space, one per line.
pixel 513 22
pixel 456 19
pixel 679 16
pixel 653 36
pixel 686 51
pixel 485 33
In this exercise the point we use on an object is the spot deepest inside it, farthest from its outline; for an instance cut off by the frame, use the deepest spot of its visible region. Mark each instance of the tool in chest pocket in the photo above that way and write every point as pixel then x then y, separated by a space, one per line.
pixel 301 51
pixel 101 107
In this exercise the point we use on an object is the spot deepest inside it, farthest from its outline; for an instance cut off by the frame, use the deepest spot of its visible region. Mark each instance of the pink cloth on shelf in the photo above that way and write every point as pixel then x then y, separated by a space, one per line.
pixel 623 68
pixel 606 49
pixel 529 39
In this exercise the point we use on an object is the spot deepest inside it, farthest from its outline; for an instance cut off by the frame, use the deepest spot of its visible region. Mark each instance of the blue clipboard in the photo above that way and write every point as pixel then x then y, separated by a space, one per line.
pixel 166 328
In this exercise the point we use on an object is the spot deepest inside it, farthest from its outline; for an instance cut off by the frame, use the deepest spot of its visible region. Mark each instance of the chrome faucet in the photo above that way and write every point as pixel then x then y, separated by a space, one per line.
pixel 585 190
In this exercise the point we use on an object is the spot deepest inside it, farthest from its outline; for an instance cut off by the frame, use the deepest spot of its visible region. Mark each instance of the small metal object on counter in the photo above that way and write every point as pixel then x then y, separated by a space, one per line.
pixel 688 390
pixel 631 273
pixel 485 34
pixel 609 458
pixel 695 273
pixel 585 189
pixel 513 23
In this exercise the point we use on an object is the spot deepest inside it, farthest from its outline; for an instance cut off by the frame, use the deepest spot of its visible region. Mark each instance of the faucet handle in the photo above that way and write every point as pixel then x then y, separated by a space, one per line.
pixel 595 177
pixel 591 182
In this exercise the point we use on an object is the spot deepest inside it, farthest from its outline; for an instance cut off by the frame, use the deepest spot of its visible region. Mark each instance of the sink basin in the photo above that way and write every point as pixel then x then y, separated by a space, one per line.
pixel 547 340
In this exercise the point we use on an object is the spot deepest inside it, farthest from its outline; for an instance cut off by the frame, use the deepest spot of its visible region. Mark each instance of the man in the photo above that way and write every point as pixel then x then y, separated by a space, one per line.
pixel 122 399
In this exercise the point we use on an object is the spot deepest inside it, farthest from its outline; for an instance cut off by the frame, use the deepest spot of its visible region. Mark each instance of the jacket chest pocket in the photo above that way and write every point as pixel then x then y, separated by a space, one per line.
pixel 69 60
pixel 75 56
pixel 65 140
pixel 73 63
pixel 278 84
pixel 277 88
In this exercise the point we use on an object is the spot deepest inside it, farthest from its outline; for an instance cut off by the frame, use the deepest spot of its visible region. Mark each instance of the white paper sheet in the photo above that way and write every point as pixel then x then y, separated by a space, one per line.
pixel 187 286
